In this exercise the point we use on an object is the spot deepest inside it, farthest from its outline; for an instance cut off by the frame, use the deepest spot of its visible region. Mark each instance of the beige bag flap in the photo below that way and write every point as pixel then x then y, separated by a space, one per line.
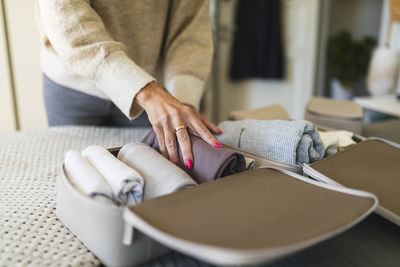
pixel 250 217
pixel 372 165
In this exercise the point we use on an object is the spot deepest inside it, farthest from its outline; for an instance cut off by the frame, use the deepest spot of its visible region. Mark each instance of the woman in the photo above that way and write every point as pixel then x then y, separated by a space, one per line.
pixel 100 57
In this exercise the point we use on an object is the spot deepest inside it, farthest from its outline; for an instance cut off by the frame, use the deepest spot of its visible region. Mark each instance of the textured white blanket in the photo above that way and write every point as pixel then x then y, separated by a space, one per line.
pixel 29 164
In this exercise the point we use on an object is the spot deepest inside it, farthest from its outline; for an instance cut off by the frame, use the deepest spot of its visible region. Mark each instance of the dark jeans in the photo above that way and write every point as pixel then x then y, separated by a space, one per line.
pixel 66 106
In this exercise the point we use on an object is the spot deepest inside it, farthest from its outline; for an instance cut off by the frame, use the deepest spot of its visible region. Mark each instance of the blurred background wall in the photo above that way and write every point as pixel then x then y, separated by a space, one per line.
pixel 359 17
pixel 21 81
pixel 300 36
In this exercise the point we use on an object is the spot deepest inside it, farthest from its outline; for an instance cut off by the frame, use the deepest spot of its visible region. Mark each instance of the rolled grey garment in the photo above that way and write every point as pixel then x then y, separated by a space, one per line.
pixel 286 141
pixel 209 163
pixel 125 182
pixel 85 178
pixel 161 176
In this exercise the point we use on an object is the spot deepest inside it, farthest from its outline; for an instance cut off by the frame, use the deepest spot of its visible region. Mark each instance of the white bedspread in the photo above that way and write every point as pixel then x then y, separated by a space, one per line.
pixel 30 233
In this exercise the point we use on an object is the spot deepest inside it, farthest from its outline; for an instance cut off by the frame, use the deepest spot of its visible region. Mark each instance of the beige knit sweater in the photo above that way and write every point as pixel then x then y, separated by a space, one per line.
pixel 113 48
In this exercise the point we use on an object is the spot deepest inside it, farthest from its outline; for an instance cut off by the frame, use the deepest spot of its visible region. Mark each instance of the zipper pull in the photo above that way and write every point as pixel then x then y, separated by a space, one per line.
pixel 128 234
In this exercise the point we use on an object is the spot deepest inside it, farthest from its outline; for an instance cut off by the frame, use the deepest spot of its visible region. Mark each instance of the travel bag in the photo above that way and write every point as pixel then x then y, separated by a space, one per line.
pixel 247 218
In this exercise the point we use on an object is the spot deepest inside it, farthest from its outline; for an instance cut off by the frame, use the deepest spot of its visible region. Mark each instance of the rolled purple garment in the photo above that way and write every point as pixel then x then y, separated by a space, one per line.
pixel 209 163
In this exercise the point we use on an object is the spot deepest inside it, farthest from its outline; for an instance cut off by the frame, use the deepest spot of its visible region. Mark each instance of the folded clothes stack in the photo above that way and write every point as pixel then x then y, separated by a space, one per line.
pixel 209 163
pixel 292 142
pixel 98 174
pixel 161 176
pixel 140 172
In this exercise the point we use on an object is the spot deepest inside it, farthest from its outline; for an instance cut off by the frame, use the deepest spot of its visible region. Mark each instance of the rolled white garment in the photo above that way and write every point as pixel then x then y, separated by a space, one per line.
pixel 85 178
pixel 334 140
pixel 125 182
pixel 161 176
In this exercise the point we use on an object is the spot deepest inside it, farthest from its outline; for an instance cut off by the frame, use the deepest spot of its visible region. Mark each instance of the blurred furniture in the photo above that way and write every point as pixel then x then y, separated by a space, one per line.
pixel 272 112
pixel 387 105
pixel 335 114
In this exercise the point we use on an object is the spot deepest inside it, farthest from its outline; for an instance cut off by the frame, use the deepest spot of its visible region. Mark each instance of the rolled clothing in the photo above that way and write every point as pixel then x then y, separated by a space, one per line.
pixel 85 178
pixel 209 163
pixel 125 182
pixel 161 176
pixel 335 140
pixel 292 142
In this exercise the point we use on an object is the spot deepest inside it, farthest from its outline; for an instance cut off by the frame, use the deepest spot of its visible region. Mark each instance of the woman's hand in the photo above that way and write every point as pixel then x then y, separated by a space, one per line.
pixel 166 113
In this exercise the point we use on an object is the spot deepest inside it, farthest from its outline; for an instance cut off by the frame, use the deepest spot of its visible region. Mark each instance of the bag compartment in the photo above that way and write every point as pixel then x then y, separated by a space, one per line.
pixel 81 213
pixel 251 217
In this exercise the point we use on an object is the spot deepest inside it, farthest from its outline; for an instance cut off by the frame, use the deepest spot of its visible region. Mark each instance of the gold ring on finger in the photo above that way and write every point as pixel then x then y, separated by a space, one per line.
pixel 180 127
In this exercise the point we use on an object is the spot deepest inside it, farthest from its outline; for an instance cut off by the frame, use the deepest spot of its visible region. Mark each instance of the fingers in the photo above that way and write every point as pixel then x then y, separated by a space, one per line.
pixel 166 119
pixel 193 113
pixel 169 139
pixel 202 131
pixel 161 140
pixel 200 126
pixel 185 147
pixel 211 125
pixel 171 144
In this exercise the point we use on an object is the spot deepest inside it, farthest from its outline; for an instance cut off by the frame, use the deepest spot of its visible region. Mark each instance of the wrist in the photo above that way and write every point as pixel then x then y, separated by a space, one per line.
pixel 146 94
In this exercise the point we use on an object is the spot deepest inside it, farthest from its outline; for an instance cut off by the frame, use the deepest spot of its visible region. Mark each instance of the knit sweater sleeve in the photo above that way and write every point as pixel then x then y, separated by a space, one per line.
pixel 79 37
pixel 189 50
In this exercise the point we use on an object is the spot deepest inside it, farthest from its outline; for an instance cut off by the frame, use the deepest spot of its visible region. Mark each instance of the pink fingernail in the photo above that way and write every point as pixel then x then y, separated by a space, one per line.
pixel 217 145
pixel 219 131
pixel 189 164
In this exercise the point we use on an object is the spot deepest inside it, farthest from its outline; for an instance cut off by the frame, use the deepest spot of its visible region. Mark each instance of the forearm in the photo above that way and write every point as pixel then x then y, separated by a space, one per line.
pixel 80 39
